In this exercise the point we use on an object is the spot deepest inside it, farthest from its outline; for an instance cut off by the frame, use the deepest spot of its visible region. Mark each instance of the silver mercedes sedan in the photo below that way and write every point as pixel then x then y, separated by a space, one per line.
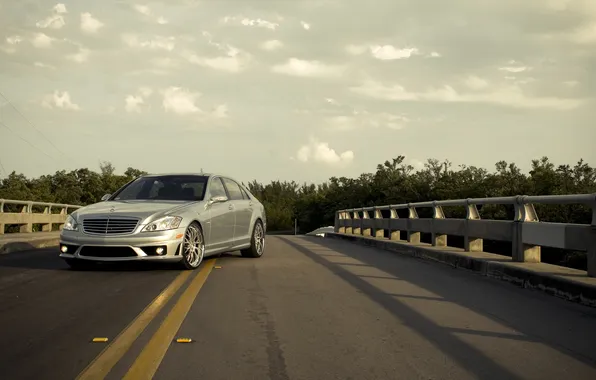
pixel 171 217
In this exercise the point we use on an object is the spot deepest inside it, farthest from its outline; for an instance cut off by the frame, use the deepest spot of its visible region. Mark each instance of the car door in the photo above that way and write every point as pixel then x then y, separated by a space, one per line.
pixel 221 218
pixel 242 209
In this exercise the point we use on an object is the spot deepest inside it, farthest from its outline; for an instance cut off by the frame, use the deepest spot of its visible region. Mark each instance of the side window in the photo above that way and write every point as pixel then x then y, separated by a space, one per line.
pixel 233 189
pixel 216 188
pixel 245 194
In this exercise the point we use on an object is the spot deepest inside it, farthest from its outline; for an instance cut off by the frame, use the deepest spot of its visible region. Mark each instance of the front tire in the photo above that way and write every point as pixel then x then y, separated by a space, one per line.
pixel 193 247
pixel 257 242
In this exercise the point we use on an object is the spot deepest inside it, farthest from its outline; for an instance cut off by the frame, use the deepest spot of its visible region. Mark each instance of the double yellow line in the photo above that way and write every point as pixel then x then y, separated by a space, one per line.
pixel 153 353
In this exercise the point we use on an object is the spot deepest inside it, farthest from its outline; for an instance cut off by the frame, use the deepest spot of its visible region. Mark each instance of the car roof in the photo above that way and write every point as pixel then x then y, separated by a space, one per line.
pixel 209 175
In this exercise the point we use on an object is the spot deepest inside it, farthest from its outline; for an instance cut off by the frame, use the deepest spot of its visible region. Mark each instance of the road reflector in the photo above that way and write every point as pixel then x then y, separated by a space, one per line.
pixel 98 340
pixel 183 340
pixel 217 267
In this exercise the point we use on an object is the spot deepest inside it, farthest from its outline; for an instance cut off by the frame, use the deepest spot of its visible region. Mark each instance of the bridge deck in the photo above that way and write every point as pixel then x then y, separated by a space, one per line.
pixel 311 308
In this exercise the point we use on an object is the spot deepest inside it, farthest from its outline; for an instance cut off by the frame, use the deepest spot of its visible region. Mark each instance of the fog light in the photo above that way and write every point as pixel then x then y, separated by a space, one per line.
pixel 64 249
pixel 159 250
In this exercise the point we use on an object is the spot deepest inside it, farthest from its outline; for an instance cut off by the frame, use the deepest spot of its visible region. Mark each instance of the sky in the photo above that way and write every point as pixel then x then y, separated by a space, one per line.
pixel 294 90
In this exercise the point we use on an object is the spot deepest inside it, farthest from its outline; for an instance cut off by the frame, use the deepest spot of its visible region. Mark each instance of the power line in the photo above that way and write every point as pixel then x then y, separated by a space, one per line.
pixel 3 170
pixel 26 141
pixel 31 124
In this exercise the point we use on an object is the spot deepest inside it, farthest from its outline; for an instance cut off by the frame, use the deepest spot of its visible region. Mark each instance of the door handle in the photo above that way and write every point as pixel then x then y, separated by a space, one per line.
pixel 250 203
pixel 230 207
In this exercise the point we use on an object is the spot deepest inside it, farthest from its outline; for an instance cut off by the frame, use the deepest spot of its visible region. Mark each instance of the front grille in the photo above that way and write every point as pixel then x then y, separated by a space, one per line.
pixel 110 226
pixel 91 251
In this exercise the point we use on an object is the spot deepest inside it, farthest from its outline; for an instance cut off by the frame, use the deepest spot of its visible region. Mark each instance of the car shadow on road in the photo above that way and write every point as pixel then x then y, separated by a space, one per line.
pixel 48 259
pixel 443 338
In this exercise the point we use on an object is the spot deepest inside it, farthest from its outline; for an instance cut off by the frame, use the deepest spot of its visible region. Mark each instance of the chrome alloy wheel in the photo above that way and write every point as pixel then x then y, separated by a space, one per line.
pixel 259 238
pixel 194 246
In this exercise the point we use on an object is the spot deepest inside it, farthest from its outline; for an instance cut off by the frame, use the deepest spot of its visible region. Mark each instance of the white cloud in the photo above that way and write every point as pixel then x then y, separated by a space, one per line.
pixel 365 119
pixel 13 40
pixel 145 10
pixel 154 43
pixel 388 52
pixel 54 21
pixel 89 24
pixel 515 67
pixel 476 83
pixel 382 52
pixel 59 99
pixel 81 56
pixel 416 164
pixel 43 65
pixel 434 54
pixel 320 152
pixel 258 22
pixel 234 60
pixel 505 95
pixel 271 45
pixel 42 40
pixel 133 103
pixel 303 68
pixel 305 25
pixel 60 8
pixel 180 101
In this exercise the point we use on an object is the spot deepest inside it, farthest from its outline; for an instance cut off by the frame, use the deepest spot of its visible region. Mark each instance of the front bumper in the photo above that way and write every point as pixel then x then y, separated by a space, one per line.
pixel 145 246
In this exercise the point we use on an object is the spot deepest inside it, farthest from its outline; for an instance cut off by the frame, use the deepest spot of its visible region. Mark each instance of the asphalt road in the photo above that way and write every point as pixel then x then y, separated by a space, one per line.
pixel 308 309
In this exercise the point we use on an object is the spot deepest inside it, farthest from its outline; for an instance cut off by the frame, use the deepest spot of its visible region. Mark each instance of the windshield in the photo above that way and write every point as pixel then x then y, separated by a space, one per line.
pixel 170 187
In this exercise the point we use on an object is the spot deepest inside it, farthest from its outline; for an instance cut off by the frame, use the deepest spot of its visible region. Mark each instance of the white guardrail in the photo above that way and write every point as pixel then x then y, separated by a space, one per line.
pixel 525 231
pixel 27 216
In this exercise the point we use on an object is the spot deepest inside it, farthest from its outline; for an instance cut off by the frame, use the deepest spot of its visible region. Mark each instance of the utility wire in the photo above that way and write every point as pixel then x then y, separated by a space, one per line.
pixel 3 170
pixel 26 141
pixel 3 124
pixel 31 124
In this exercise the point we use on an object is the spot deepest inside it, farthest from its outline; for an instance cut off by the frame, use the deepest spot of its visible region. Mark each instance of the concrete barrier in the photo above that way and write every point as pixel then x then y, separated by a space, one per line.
pixel 567 283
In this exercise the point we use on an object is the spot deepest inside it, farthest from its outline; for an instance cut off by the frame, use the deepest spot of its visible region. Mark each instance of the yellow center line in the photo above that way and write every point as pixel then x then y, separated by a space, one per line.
pixel 153 353
pixel 107 359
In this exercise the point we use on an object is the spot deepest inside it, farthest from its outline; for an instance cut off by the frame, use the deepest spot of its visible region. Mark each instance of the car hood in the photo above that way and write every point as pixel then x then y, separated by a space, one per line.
pixel 134 208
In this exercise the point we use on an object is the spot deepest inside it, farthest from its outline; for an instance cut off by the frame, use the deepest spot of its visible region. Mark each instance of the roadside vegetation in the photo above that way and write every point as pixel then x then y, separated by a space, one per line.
pixel 393 182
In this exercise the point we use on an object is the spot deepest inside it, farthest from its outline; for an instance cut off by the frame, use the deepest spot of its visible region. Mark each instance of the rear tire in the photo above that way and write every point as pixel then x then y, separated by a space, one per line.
pixel 193 247
pixel 257 242
pixel 76 264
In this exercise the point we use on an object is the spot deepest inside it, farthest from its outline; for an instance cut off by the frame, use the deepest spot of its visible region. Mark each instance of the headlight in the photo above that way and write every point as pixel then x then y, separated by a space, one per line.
pixel 162 224
pixel 70 224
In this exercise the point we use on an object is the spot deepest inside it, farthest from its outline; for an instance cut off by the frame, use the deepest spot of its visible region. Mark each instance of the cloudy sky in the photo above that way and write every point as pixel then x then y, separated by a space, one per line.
pixel 294 89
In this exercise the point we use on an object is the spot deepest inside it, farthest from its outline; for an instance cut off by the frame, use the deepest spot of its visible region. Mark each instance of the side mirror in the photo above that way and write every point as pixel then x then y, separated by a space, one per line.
pixel 217 199
pixel 106 197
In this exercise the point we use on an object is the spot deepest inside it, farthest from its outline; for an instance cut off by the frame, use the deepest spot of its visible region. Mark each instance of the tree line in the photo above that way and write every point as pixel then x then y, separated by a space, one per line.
pixel 393 182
